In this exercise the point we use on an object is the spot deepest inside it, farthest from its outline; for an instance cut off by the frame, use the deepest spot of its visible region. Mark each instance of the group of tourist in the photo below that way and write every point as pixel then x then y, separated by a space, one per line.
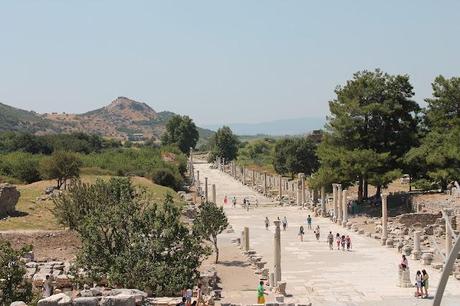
pixel 342 241
pixel 246 203
pixel 421 278
pixel 187 296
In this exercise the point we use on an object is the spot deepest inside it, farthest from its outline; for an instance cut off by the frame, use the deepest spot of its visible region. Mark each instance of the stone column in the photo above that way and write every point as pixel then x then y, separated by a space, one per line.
pixel 253 178
pixel 265 183
pixel 191 162
pixel 323 201
pixel 302 188
pixel 280 187
pixel 448 237
pixel 243 175
pixel 277 249
pixel 299 195
pixel 198 178
pixel 417 252
pixel 339 204
pixel 206 189
pixel 214 193
pixel 246 238
pixel 334 200
pixel 344 208
pixel 384 218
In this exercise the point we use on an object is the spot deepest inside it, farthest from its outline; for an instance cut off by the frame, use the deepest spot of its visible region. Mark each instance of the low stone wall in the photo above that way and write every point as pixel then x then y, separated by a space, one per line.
pixel 9 196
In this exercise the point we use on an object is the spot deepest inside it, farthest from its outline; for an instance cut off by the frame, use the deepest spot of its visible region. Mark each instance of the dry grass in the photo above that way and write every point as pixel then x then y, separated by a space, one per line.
pixel 36 215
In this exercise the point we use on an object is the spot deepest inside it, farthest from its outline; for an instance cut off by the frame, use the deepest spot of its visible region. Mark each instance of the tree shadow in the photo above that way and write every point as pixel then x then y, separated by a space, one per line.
pixel 16 214
pixel 234 263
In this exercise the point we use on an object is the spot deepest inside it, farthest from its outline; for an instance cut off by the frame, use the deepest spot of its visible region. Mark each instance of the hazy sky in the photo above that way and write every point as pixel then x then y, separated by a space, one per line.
pixel 217 61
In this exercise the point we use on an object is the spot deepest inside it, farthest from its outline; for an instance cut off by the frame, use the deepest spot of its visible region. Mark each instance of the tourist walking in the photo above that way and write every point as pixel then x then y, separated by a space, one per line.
pixel 225 200
pixel 309 222
pixel 348 241
pixel 338 240
pixel 284 223
pixel 330 240
pixel 267 223
pixel 342 242
pixel 234 202
pixel 425 282
pixel 261 293
pixel 418 283
pixel 317 233
pixel 301 233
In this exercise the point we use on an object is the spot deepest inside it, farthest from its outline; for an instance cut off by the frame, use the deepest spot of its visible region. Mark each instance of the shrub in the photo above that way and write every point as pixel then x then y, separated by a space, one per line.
pixel 13 285
pixel 130 240
pixel 166 177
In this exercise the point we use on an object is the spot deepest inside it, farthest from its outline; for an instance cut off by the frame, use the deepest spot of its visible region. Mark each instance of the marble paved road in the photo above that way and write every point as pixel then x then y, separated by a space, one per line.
pixel 366 275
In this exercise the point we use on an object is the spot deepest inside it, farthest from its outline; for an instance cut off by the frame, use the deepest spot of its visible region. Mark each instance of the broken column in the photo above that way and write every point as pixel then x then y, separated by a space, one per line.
pixel 253 178
pixel 246 238
pixel 198 178
pixel 344 208
pixel 417 252
pixel 213 193
pixel 277 249
pixel 384 218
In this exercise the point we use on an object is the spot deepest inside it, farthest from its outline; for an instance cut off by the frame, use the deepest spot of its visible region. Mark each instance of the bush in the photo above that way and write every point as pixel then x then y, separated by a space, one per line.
pixel 13 285
pixel 166 177
pixel 130 240
pixel 21 166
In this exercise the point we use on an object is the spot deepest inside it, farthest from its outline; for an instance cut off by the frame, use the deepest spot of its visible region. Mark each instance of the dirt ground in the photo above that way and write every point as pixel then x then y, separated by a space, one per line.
pixel 47 245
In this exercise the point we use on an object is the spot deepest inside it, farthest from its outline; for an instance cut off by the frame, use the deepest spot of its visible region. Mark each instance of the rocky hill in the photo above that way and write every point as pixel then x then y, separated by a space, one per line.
pixel 123 119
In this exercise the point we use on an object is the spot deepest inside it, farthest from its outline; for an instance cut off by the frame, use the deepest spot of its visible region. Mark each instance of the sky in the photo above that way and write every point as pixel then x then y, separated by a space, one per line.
pixel 217 61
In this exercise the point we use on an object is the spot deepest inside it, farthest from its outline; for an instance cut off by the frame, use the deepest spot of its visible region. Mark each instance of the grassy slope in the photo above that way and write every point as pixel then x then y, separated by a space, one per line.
pixel 37 216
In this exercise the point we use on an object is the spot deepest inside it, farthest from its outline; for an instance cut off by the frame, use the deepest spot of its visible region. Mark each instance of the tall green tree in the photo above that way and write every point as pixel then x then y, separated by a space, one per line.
pixel 295 155
pixel 436 162
pixel 224 144
pixel 182 132
pixel 210 222
pixel 373 123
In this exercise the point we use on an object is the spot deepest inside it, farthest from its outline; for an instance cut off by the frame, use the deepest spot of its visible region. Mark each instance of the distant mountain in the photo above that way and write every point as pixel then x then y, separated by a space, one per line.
pixel 122 119
pixel 276 128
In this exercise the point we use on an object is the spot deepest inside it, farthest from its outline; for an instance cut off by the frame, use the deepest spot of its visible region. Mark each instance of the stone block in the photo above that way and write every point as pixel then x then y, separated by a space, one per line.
pixel 9 196
pixel 18 303
pixel 118 300
pixel 138 295
pixel 60 299
pixel 86 301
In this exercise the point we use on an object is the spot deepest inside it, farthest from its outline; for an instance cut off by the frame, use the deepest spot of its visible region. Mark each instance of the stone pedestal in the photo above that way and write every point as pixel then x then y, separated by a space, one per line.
pixel 277 251
pixel 427 258
pixel 404 278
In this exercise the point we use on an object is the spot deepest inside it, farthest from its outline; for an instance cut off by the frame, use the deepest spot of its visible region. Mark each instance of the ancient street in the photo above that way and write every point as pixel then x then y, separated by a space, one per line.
pixel 367 275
